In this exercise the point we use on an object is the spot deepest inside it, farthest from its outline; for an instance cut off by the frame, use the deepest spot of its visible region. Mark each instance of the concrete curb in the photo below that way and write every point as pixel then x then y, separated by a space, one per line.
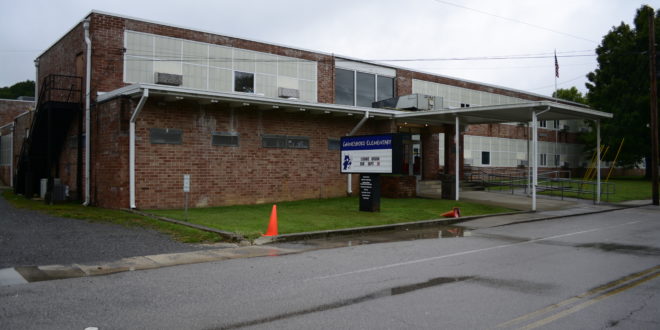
pixel 56 272
pixel 370 229
pixel 620 207
pixel 226 234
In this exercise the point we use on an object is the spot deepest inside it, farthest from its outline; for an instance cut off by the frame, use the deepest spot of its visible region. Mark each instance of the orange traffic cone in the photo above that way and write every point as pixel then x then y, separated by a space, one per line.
pixel 454 213
pixel 272 225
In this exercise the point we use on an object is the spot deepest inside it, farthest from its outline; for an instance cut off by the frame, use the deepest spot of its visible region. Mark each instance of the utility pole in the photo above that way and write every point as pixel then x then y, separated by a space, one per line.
pixel 653 108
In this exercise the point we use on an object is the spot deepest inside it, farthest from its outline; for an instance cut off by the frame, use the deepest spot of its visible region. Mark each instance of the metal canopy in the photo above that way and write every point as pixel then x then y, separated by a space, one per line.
pixel 507 113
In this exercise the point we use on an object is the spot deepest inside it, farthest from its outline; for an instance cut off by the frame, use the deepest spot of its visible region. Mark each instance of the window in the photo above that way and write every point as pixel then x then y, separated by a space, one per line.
pixel 543 123
pixel 555 124
pixel 344 87
pixel 243 82
pixel 384 88
pixel 366 89
pixel 361 89
pixel 285 142
pixel 543 159
pixel 485 158
pixel 225 139
pixel 557 160
pixel 297 142
pixel 333 144
pixel 5 150
pixel 165 136
pixel 465 105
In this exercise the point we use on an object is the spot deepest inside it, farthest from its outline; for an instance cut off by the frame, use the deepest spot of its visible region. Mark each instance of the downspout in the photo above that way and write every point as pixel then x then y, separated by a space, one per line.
pixel 349 180
pixel 36 82
pixel 131 147
pixel 88 78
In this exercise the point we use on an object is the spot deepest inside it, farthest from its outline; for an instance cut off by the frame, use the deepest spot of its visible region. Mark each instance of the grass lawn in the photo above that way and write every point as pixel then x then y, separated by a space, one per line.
pixel 95 214
pixel 625 189
pixel 322 214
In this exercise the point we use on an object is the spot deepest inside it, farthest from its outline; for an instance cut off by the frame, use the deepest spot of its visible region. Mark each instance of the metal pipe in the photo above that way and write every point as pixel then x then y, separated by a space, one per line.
pixel 458 151
pixel 597 161
pixel 131 147
pixel 349 177
pixel 535 169
pixel 88 77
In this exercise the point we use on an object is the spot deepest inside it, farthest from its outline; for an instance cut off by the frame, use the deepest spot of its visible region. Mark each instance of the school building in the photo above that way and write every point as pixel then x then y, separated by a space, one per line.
pixel 127 107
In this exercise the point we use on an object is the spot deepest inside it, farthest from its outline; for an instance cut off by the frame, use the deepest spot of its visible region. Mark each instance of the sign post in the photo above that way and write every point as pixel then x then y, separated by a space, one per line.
pixel 370 156
pixel 186 191
pixel 370 192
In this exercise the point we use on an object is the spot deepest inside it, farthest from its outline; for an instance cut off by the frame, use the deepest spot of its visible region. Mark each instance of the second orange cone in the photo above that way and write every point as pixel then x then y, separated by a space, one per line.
pixel 272 225
pixel 454 213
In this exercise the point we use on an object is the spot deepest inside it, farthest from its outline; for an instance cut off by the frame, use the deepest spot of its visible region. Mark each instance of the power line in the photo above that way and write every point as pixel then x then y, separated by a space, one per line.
pixel 515 20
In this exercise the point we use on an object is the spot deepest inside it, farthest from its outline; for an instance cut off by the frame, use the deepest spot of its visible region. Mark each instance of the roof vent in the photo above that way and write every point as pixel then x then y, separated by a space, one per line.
pixel 169 79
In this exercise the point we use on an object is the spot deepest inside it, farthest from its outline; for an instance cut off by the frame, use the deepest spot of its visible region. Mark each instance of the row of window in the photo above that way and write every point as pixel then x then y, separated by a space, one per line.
pixel 543 159
pixel 231 139
pixel 360 88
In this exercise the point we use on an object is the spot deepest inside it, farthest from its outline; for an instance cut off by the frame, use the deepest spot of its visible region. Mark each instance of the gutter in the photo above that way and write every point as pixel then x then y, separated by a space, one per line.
pixel 88 78
pixel 349 180
pixel 131 147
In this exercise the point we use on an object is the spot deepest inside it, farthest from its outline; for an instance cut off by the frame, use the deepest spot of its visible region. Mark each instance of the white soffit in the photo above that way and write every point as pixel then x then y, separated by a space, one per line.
pixel 364 67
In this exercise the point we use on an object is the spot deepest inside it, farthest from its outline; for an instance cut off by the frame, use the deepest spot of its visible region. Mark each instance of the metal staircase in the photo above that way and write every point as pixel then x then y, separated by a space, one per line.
pixel 59 104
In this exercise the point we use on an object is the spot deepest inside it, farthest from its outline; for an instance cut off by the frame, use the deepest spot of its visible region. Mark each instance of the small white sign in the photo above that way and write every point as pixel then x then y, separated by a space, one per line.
pixel 186 183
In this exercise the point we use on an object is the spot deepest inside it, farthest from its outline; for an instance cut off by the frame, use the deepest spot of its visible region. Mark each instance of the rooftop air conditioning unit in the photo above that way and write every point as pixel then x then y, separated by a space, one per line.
pixel 414 102
pixel 169 79
pixel 288 93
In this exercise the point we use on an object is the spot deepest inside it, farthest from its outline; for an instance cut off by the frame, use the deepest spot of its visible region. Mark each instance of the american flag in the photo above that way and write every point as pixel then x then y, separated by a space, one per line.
pixel 556 65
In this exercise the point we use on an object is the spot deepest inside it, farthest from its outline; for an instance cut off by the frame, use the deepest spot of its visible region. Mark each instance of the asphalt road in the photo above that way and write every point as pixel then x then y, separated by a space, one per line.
pixel 587 272
pixel 29 238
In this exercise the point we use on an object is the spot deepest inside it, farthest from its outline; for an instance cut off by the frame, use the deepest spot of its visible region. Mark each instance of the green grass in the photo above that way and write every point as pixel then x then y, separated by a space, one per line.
pixel 625 189
pixel 322 214
pixel 95 214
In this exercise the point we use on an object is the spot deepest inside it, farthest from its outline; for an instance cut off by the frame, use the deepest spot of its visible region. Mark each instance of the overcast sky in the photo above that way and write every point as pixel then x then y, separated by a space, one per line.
pixel 366 29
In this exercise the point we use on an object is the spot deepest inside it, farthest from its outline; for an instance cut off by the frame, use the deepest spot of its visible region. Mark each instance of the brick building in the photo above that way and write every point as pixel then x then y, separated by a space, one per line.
pixel 144 103
pixel 9 111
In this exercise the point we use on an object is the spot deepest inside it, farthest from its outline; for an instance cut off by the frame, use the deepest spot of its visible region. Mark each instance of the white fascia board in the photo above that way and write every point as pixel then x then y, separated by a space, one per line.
pixel 523 115
pixel 136 90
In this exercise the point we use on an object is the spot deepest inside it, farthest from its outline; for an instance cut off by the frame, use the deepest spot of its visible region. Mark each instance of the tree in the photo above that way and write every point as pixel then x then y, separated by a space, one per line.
pixel 24 88
pixel 572 94
pixel 620 85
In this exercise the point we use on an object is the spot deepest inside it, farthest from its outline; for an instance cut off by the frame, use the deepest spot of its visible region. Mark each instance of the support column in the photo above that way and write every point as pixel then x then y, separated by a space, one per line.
pixel 430 145
pixel 597 161
pixel 457 156
pixel 535 159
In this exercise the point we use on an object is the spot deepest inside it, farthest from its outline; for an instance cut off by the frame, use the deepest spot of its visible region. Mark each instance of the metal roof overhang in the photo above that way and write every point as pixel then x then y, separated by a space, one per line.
pixel 244 99
pixel 507 113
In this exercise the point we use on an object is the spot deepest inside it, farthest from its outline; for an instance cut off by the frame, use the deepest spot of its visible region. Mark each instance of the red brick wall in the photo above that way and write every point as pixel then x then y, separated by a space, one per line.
pixel 9 109
pixel 110 148
pixel 232 175
pixel 398 186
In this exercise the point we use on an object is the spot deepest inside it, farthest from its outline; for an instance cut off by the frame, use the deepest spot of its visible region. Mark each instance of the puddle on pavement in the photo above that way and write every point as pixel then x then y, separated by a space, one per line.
pixel 434 282
pixel 387 236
